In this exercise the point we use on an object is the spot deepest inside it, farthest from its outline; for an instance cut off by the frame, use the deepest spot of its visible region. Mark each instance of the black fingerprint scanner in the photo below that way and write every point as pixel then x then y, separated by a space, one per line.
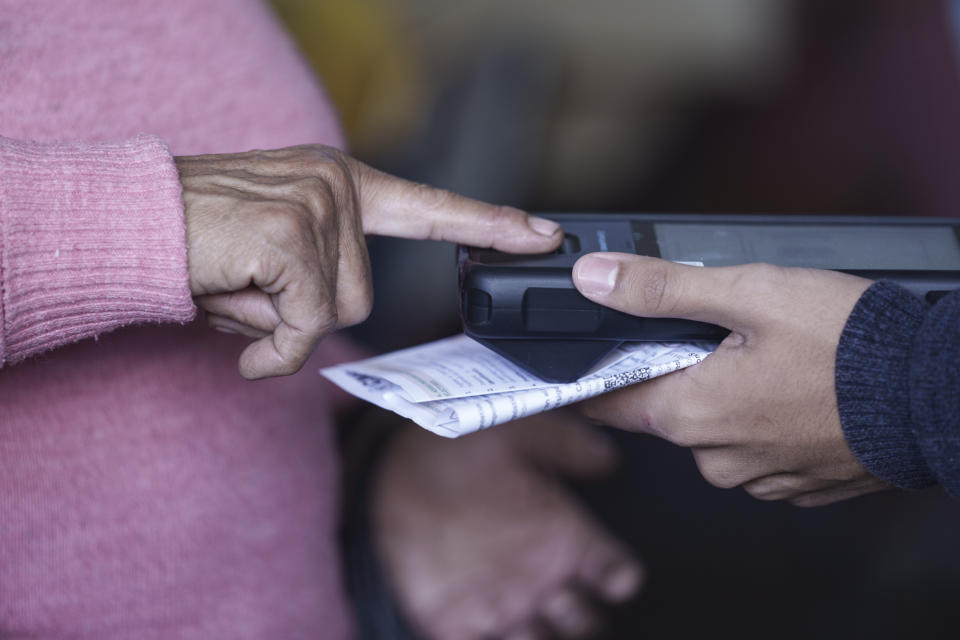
pixel 526 308
pixel 565 310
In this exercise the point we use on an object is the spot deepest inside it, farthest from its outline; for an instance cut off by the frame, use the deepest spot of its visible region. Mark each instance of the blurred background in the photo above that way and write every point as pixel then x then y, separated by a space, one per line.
pixel 772 106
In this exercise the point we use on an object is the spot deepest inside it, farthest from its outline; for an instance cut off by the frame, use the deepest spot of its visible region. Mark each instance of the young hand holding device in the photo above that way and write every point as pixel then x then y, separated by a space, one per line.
pixel 527 309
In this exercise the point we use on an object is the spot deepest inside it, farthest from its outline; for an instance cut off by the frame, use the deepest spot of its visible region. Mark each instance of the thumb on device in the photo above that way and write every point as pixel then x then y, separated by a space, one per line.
pixel 655 288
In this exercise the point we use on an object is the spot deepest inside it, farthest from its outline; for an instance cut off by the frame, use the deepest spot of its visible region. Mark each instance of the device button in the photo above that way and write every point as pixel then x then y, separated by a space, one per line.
pixel 559 311
pixel 571 244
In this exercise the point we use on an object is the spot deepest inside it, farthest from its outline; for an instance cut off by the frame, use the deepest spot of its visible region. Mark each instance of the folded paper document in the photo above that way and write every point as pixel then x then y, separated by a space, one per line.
pixel 455 386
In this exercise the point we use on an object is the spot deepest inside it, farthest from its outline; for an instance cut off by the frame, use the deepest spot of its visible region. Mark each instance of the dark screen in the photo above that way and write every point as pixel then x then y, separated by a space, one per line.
pixel 853 247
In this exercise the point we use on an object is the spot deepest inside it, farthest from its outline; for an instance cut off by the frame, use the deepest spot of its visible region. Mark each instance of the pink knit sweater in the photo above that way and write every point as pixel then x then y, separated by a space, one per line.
pixel 146 491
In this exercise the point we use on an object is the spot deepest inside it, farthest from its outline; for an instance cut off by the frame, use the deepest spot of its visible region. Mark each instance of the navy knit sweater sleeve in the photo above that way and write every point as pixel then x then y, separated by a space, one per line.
pixel 898 387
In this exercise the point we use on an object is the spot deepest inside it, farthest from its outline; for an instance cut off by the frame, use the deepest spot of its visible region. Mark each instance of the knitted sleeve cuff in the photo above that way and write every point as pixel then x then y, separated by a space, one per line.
pixel 873 388
pixel 935 391
pixel 92 237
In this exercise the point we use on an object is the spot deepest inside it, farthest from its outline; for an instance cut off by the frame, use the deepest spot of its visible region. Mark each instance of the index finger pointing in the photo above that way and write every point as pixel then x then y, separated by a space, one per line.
pixel 395 207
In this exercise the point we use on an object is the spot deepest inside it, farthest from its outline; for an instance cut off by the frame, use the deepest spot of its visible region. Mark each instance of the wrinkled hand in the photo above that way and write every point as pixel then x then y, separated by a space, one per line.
pixel 276 246
pixel 761 411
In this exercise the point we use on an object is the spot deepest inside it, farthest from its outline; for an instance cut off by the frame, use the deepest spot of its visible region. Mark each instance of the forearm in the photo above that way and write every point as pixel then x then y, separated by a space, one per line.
pixel 898 381
pixel 91 239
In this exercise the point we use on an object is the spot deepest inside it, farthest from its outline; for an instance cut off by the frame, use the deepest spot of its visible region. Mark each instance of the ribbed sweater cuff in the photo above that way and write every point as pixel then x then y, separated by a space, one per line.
pixel 935 390
pixel 92 238
pixel 873 390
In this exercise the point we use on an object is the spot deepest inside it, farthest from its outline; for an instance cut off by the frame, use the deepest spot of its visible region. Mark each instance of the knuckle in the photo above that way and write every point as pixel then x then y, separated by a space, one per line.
pixel 772 488
pixel 260 156
pixel 312 185
pixel 332 166
pixel 289 358
pixel 758 493
pixel 295 351
pixel 285 224
pixel 430 198
pixel 500 216
pixel 359 309
pixel 328 321
pixel 307 156
pixel 720 478
pixel 717 472
pixel 333 194
pixel 319 198
pixel 323 322
pixel 808 500
pixel 366 301
pixel 289 366
pixel 323 173
pixel 323 153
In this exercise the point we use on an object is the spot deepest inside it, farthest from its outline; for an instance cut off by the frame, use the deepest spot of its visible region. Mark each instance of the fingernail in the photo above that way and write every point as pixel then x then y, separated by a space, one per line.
pixel 542 226
pixel 596 275
pixel 225 330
